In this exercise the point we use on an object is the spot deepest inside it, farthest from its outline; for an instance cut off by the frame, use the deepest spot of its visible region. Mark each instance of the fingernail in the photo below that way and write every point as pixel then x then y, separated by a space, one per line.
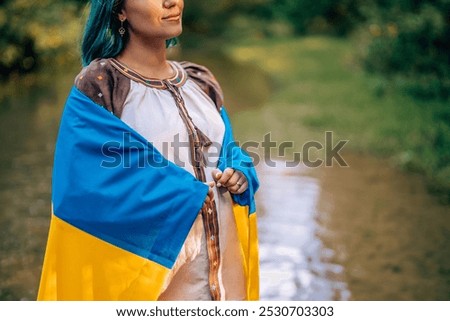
pixel 219 185
pixel 218 175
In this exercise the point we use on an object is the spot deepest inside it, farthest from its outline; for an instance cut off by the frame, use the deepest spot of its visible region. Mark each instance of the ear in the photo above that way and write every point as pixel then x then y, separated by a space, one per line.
pixel 122 16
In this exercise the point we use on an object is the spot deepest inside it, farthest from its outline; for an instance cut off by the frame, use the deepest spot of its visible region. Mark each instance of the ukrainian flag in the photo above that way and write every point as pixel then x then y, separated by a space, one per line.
pixel 121 211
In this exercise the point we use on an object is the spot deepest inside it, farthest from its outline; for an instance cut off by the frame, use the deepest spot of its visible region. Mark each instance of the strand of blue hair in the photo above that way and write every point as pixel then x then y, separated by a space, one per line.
pixel 101 38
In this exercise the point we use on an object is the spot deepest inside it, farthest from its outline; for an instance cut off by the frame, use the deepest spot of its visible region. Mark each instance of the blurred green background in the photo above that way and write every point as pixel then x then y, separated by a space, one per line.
pixel 375 72
pixel 404 45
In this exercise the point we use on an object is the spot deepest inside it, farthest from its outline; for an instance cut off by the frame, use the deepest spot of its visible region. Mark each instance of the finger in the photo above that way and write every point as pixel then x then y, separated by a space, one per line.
pixel 241 181
pixel 210 186
pixel 216 174
pixel 227 173
pixel 211 195
pixel 239 189
pixel 210 191
pixel 238 179
pixel 234 179
pixel 243 188
pixel 234 188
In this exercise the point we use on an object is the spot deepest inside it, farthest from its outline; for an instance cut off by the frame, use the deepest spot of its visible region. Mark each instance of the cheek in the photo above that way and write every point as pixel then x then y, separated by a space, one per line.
pixel 153 12
pixel 147 13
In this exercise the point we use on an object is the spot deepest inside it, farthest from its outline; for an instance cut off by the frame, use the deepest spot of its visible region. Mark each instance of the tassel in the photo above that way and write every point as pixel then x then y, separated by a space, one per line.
pixel 203 139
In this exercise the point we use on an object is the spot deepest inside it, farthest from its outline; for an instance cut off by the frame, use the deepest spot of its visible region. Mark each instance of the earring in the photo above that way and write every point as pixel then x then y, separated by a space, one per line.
pixel 122 29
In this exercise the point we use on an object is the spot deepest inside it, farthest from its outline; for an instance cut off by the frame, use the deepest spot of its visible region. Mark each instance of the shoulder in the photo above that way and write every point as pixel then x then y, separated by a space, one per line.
pixel 103 84
pixel 97 73
pixel 205 80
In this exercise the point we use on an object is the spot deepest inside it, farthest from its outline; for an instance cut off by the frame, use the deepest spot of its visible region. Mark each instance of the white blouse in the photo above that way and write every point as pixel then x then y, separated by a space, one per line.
pixel 153 113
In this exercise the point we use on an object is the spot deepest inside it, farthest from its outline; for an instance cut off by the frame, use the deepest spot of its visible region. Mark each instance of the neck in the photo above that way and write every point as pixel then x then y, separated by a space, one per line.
pixel 147 58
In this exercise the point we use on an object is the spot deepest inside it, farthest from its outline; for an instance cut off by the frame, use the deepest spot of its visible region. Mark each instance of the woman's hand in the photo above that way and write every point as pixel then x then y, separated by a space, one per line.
pixel 235 181
pixel 210 196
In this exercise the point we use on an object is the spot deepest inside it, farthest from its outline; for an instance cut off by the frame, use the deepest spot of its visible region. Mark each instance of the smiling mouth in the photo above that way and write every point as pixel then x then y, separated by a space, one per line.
pixel 173 17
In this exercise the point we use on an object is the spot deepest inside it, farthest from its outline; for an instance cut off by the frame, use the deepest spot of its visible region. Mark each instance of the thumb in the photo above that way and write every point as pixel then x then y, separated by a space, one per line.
pixel 216 174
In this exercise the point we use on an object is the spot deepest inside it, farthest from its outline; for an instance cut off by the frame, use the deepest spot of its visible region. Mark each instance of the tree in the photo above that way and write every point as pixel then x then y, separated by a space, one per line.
pixel 36 31
pixel 409 42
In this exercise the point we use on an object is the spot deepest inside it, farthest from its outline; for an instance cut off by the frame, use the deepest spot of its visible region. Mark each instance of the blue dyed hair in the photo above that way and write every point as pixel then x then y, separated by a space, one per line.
pixel 101 38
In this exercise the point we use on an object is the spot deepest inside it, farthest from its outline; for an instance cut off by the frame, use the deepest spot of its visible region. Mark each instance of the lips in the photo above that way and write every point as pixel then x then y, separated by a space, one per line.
pixel 172 17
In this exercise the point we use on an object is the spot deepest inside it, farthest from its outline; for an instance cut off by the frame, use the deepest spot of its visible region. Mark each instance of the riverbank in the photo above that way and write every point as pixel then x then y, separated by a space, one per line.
pixel 319 86
pixel 380 236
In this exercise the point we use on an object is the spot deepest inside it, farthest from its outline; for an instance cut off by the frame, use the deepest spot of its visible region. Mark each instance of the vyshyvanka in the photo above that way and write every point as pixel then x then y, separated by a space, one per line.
pixel 128 221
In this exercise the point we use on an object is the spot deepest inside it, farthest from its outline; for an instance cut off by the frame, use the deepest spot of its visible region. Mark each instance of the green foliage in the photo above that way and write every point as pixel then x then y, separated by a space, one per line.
pixel 312 16
pixel 405 41
pixel 272 17
pixel 319 88
pixel 36 32
pixel 203 18
pixel 409 42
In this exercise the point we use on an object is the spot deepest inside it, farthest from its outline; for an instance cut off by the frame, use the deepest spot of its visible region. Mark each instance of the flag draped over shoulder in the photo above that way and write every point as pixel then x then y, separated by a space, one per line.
pixel 121 211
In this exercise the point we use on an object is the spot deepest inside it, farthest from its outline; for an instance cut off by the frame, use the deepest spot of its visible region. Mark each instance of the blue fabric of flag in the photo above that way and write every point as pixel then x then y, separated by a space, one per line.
pixel 113 184
pixel 235 157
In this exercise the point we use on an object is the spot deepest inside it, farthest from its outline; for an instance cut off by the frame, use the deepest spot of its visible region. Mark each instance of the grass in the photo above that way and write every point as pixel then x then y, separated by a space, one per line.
pixel 318 86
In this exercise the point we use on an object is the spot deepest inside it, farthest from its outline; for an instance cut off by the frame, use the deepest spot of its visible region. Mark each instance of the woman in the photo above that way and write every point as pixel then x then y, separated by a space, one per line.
pixel 152 199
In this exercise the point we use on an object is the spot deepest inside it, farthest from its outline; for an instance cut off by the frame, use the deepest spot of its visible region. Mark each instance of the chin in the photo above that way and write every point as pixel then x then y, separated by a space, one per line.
pixel 178 32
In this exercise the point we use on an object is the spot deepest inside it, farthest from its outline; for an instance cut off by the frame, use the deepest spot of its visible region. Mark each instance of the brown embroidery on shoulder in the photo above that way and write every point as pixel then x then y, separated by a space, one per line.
pixel 205 80
pixel 104 85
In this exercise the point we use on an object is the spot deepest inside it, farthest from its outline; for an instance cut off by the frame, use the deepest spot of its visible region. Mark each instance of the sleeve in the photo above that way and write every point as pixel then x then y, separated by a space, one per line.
pixel 235 157
pixel 104 85
pixel 206 80
pixel 231 155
